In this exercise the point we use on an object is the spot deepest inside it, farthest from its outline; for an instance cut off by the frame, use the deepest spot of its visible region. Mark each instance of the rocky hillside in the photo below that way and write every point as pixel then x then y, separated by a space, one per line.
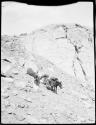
pixel 70 47
pixel 63 51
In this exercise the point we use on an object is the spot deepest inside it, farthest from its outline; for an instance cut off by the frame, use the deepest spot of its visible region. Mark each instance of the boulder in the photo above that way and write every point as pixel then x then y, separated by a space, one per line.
pixel 5 66
pixel 69 47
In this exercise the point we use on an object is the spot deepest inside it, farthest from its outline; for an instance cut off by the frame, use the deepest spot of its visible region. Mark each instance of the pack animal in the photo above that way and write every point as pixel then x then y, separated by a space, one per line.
pixel 34 75
pixel 53 84
pixel 45 77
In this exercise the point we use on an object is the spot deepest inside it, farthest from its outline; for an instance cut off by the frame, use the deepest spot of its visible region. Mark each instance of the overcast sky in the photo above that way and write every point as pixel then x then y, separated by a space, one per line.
pixel 19 18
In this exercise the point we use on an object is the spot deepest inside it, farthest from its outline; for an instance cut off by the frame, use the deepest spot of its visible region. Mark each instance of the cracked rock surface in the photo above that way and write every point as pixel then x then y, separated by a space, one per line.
pixel 63 51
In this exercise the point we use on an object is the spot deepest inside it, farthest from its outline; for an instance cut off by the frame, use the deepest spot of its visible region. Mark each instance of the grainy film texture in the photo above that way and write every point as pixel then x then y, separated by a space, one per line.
pixel 47 64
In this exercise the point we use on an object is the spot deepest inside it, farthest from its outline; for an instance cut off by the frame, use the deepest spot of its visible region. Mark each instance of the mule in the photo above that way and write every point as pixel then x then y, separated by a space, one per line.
pixel 37 80
pixel 53 84
pixel 33 74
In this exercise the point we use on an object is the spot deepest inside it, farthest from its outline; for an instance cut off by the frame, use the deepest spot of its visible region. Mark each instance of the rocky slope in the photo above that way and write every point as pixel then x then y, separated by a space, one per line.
pixel 63 51
pixel 70 47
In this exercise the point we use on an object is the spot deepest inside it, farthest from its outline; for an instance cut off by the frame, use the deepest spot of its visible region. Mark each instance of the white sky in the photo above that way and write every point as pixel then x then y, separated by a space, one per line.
pixel 19 18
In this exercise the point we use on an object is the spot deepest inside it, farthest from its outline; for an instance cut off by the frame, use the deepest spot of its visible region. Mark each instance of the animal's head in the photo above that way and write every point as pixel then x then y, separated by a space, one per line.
pixel 45 76
pixel 54 79
pixel 36 77
pixel 60 85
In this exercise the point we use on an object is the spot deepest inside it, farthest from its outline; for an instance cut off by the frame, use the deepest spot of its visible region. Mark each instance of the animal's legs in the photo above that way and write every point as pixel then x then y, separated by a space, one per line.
pixel 52 88
pixel 56 89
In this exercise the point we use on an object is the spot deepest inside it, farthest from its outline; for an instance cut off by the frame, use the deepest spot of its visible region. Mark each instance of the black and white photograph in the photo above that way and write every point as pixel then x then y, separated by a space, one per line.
pixel 47 63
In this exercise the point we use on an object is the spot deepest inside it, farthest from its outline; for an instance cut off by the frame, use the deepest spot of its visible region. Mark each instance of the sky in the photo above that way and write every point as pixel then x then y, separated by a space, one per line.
pixel 20 18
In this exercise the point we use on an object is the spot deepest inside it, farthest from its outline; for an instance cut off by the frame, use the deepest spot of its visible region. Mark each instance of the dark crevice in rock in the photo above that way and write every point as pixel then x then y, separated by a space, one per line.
pixel 65 29
pixel 2 75
pixel 6 60
pixel 77 49
pixel 10 113
pixel 74 68
pixel 84 73
pixel 78 25
pixel 7 96
pixel 10 76
pixel 60 38
pixel 82 27
pixel 28 100
pixel 78 59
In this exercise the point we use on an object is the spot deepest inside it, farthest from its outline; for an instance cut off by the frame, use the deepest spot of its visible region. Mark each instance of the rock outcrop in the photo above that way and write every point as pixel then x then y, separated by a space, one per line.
pixel 69 47
pixel 63 51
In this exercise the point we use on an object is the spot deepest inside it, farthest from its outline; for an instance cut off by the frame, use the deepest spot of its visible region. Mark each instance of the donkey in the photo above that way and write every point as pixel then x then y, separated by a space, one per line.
pixel 33 74
pixel 37 80
pixel 53 84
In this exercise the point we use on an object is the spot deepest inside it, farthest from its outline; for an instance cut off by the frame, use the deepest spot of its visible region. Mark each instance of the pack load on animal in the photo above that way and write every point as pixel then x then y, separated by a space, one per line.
pixel 51 83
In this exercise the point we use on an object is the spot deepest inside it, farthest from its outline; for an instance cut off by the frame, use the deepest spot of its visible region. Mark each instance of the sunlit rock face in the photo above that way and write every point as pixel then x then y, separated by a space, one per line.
pixel 70 47
pixel 55 50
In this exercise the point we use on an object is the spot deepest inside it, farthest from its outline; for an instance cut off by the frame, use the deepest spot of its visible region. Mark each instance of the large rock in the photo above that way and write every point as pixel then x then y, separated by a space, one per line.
pixel 70 47
pixel 5 66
